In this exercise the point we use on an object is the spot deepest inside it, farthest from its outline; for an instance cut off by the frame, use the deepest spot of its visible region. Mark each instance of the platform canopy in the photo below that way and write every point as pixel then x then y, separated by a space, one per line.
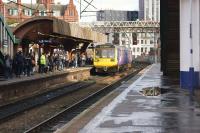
pixel 56 31
pixel 74 30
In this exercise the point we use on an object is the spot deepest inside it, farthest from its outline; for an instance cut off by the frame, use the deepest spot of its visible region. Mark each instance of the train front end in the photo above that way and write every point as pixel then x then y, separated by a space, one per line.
pixel 105 59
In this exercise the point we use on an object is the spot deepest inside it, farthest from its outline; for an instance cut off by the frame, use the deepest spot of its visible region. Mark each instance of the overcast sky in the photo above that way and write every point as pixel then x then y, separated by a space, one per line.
pixel 99 4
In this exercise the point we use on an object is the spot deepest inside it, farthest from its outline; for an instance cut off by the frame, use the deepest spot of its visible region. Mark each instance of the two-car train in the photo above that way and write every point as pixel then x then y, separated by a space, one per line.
pixel 111 58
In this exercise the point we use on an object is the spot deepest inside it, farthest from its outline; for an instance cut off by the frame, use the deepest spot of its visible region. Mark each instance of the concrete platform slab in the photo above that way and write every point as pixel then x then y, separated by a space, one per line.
pixel 39 75
pixel 18 88
pixel 175 111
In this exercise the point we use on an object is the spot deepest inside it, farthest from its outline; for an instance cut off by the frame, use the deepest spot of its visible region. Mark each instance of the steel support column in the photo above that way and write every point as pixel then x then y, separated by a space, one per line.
pixel 170 38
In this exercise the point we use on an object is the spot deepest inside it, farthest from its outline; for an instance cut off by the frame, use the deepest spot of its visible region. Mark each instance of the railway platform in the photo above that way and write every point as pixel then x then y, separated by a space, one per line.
pixel 128 110
pixel 18 88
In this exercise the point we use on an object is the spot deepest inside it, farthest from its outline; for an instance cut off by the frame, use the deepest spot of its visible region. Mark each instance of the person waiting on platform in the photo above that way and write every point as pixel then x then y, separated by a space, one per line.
pixel 60 63
pixel 67 60
pixel 56 61
pixel 46 67
pixel 28 65
pixel 8 67
pixel 42 62
pixel 79 60
pixel 18 63
pixel 51 64
pixel 83 59
pixel 72 61
pixel 76 60
pixel 33 63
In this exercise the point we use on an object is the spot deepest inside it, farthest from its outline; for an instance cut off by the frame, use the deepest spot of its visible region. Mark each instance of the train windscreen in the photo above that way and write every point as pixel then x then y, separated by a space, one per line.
pixel 105 53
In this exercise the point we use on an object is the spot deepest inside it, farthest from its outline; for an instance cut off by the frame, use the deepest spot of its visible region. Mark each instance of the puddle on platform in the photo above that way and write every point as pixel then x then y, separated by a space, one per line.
pixel 154 91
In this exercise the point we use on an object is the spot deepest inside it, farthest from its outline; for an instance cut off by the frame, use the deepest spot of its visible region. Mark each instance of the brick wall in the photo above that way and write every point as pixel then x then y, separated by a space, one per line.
pixel 70 13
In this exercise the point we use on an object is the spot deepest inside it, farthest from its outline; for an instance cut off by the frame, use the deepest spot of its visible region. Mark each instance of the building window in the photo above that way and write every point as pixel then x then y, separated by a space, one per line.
pixel 42 13
pixel 138 49
pixel 123 34
pixel 123 42
pixel 134 38
pixel 13 12
pixel 71 13
pixel 151 41
pixel 141 49
pixel 151 49
pixel 141 41
pixel 27 12
pixel 56 13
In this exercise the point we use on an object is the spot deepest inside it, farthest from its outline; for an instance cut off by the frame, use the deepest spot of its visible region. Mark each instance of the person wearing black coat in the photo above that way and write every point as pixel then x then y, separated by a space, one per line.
pixel 28 64
pixel 18 63
pixel 8 67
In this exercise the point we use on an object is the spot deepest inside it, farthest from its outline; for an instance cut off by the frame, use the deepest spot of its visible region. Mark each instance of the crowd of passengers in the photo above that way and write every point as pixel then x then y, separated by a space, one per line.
pixel 27 65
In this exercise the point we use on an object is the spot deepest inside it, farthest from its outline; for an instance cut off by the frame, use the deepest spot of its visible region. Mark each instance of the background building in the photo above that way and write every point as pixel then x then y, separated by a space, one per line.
pixel 18 12
pixel 141 10
pixel 117 15
pixel 147 43
pixel 143 45
pixel 122 39
pixel 152 10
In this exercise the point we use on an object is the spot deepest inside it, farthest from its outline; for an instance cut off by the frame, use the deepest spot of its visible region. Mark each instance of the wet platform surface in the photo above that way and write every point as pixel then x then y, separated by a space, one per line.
pixel 174 111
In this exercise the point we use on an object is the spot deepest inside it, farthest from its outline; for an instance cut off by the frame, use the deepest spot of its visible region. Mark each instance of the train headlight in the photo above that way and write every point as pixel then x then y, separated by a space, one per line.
pixel 96 60
pixel 112 59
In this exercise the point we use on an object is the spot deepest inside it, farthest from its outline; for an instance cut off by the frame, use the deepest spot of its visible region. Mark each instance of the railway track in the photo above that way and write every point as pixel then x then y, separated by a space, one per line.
pixel 21 121
pixel 61 118
pixel 11 110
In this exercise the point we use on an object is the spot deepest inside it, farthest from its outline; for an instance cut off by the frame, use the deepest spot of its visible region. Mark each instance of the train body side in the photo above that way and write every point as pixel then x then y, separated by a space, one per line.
pixel 124 56
pixel 115 58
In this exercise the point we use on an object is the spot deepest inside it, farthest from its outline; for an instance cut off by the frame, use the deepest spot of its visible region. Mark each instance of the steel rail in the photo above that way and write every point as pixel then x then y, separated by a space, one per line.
pixel 54 120
pixel 13 109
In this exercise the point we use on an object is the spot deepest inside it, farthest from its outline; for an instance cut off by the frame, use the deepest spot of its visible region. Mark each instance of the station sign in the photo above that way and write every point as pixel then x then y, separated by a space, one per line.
pixel 45 41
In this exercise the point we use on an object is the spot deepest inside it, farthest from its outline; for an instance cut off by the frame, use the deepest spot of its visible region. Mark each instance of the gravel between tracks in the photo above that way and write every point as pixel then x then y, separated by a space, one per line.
pixel 30 118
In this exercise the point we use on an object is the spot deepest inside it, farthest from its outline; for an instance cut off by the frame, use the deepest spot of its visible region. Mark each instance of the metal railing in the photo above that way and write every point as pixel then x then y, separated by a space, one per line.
pixel 7 39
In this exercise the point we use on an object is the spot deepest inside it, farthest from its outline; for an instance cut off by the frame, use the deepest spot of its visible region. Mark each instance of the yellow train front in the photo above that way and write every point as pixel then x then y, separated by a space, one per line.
pixel 111 58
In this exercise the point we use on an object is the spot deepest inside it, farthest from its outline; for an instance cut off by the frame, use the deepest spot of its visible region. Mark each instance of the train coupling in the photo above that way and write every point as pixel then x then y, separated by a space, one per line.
pixel 105 69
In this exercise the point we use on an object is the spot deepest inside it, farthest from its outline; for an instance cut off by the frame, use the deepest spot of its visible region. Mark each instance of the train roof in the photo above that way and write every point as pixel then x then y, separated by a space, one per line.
pixel 109 45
